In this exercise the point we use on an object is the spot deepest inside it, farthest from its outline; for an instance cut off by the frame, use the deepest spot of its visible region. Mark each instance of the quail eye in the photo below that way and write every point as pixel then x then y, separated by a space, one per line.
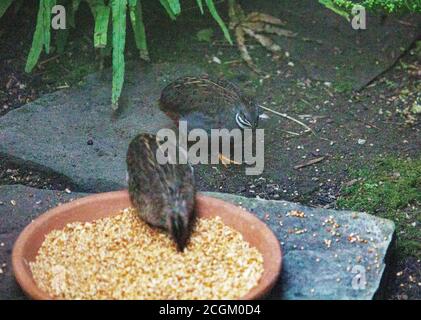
pixel 242 121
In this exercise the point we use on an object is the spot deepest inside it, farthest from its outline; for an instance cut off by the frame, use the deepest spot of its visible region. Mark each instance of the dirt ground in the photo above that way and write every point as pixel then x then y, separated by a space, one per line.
pixel 352 129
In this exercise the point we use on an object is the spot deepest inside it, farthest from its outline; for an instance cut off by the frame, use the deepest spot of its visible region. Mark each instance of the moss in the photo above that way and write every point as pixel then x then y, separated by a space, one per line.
pixel 391 189
pixel 343 87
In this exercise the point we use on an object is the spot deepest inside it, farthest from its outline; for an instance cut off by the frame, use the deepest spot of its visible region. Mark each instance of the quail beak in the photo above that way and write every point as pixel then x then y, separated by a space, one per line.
pixel 179 230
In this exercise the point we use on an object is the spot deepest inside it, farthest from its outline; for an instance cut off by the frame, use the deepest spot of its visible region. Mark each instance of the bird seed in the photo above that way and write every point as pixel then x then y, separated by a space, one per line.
pixel 121 257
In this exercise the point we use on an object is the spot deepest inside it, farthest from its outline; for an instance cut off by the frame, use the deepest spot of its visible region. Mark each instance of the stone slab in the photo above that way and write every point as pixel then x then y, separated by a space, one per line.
pixel 310 270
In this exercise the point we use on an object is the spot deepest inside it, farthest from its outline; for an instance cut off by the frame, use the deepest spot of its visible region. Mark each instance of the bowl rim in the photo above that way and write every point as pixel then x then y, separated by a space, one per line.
pixel 27 283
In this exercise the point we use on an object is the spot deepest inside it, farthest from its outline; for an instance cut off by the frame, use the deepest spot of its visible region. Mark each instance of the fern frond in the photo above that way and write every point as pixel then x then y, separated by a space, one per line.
pixel 136 19
pixel 4 5
pixel 72 11
pixel 167 8
pixel 118 9
pixel 332 6
pixel 218 19
pixel 42 35
pixel 174 6
pixel 101 26
pixel 47 24
pixel 200 5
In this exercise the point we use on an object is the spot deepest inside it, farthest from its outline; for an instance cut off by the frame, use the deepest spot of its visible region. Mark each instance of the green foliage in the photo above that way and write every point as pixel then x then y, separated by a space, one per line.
pixel 215 15
pixel 174 6
pixel 101 14
pixel 118 8
pixel 344 7
pixel 136 19
pixel 392 185
pixel 330 4
pixel 200 5
pixel 389 189
pixel 167 8
pixel 391 6
pixel 4 4
pixel 101 11
pixel 42 36
pixel 61 40
pixel 205 35
pixel 72 8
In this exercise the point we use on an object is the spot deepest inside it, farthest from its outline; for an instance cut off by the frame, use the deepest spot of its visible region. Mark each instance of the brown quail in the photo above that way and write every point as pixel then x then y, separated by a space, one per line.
pixel 209 104
pixel 164 194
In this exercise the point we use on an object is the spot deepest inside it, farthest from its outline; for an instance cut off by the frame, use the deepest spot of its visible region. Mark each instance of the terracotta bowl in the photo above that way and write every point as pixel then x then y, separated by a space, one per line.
pixel 107 204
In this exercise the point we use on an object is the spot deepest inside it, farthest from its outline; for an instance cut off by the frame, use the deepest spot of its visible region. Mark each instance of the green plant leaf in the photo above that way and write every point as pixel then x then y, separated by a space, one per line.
pixel 72 11
pixel 4 5
pixel 37 41
pixel 49 4
pixel 93 4
pixel 167 8
pixel 118 8
pixel 174 6
pixel 331 5
pixel 61 40
pixel 136 19
pixel 200 5
pixel 102 14
pixel 215 15
pixel 205 35
pixel 42 35
pixel 62 35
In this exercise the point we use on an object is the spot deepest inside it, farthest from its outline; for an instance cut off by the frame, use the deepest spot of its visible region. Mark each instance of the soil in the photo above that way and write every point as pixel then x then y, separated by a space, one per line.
pixel 352 129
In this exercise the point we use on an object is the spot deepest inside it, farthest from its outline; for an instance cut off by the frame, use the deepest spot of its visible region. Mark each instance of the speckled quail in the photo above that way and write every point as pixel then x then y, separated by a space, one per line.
pixel 209 104
pixel 164 194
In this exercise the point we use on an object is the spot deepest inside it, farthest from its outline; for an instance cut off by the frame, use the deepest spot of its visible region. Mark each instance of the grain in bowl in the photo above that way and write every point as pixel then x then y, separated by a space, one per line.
pixel 121 257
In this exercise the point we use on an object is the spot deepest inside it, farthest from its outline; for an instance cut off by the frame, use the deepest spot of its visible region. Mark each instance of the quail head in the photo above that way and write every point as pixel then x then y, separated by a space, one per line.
pixel 164 194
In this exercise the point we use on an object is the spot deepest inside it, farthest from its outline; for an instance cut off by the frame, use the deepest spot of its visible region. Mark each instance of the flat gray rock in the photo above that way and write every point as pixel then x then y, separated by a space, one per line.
pixel 312 268
pixel 53 131
pixel 324 250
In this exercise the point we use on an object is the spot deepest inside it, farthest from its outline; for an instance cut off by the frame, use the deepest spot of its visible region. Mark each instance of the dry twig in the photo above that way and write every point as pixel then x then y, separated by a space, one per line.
pixel 310 163
pixel 284 115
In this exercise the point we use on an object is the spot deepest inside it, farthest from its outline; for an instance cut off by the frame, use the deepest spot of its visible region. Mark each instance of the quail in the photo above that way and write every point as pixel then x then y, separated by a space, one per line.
pixel 207 104
pixel 163 194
